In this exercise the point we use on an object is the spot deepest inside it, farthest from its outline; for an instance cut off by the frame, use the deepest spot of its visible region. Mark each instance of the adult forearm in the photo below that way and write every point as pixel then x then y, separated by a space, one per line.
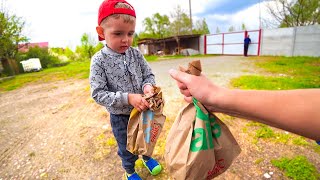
pixel 297 111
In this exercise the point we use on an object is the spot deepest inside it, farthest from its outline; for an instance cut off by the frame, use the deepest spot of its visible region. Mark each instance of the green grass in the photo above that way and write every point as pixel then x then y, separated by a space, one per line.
pixel 77 70
pixel 265 132
pixel 297 168
pixel 166 57
pixel 286 73
pixel 262 131
pixel 151 58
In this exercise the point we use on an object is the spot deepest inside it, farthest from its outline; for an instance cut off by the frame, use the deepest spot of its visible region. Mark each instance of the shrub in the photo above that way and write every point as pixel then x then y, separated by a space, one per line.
pixel 42 53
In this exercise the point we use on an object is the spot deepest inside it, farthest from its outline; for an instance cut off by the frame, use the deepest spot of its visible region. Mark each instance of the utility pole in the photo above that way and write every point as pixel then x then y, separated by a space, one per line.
pixel 259 14
pixel 190 16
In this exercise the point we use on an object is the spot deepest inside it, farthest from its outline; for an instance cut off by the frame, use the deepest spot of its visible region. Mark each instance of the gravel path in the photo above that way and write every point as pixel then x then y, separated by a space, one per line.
pixel 56 131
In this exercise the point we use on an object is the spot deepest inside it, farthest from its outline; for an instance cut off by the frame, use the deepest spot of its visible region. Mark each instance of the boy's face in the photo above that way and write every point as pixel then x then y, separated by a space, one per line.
pixel 118 34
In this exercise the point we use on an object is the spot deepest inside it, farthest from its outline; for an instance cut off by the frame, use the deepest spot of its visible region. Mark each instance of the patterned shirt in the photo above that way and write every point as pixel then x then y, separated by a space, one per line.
pixel 113 76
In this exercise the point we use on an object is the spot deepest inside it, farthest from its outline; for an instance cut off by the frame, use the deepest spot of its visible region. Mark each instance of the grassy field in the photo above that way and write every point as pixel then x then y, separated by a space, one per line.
pixel 77 70
pixel 282 73
pixel 285 73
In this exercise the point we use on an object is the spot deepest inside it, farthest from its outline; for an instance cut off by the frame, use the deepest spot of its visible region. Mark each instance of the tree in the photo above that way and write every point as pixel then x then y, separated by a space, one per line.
pixel 162 23
pixel 86 50
pixel 156 27
pixel 149 29
pixel 135 40
pixel 218 30
pixel 181 22
pixel 288 13
pixel 11 27
pixel 243 27
pixel 201 27
pixel 231 29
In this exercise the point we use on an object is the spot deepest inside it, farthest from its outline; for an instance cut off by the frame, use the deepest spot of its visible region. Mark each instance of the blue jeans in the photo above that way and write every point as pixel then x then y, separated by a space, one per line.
pixel 119 124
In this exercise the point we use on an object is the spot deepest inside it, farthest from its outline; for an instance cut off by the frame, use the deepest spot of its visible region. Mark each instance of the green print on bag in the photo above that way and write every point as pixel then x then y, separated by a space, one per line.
pixel 202 138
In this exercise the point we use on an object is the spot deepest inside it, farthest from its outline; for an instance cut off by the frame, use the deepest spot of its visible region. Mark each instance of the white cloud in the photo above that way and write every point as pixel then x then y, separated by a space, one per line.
pixel 249 16
pixel 62 22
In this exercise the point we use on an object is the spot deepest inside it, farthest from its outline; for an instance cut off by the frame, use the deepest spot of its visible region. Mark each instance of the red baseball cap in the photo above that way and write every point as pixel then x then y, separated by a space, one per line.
pixel 107 8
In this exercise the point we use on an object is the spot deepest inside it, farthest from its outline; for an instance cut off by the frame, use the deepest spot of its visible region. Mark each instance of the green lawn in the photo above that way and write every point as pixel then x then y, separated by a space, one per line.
pixel 282 73
pixel 77 70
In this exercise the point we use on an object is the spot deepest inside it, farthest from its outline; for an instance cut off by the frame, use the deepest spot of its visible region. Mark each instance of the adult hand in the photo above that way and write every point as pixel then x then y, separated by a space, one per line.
pixel 199 87
pixel 138 102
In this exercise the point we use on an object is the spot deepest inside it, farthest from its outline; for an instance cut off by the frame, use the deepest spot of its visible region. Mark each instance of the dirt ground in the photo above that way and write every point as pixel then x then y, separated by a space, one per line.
pixel 56 131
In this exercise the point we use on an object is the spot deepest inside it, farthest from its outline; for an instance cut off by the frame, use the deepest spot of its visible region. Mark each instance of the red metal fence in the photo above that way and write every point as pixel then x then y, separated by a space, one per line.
pixel 232 43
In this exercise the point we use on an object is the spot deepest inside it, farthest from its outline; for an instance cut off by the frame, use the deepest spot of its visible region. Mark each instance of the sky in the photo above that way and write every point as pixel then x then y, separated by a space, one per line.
pixel 63 22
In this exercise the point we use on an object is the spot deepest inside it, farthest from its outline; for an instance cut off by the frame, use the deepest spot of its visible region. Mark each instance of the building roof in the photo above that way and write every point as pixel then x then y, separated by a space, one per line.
pixel 25 46
pixel 171 38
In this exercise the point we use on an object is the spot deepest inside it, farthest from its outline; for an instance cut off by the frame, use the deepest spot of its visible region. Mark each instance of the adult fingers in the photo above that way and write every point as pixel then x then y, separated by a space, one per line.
pixel 188 99
pixel 181 86
pixel 185 92
pixel 179 76
pixel 139 109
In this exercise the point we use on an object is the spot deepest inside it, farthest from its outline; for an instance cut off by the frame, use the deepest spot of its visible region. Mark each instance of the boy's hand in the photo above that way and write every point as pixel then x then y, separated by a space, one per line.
pixel 138 102
pixel 148 89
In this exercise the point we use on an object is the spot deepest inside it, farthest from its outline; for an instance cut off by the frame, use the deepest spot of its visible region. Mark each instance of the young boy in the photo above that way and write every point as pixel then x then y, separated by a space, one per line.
pixel 119 75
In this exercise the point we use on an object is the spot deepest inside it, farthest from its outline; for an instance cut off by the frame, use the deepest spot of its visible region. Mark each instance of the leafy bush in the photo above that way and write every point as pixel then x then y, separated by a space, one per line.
pixel 297 168
pixel 42 53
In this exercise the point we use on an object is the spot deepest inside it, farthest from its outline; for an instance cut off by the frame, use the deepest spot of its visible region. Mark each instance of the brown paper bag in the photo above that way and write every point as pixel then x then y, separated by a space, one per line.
pixel 145 127
pixel 199 145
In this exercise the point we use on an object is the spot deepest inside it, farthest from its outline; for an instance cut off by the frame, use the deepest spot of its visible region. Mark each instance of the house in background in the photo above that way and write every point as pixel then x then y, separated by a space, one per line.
pixel 170 45
pixel 25 47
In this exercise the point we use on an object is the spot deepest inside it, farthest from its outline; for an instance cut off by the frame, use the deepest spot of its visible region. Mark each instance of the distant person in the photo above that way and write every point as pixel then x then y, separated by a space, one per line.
pixel 247 41
pixel 119 75
pixel 296 111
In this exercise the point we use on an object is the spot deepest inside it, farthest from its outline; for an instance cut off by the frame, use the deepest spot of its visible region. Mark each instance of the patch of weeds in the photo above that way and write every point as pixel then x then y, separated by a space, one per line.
pixel 265 132
pixel 258 161
pixel 87 88
pixel 256 124
pixel 245 70
pixel 282 138
pixel 110 142
pixel 160 148
pixel 101 136
pixel 90 100
pixel 316 148
pixel 255 141
pixel 32 154
pixel 44 175
pixel 297 168
pixel 245 130
pixel 301 141
pixel 63 170
pixel 103 146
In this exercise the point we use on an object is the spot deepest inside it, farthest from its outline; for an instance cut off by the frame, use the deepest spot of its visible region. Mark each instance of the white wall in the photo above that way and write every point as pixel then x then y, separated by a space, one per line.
pixel 232 43
pixel 295 41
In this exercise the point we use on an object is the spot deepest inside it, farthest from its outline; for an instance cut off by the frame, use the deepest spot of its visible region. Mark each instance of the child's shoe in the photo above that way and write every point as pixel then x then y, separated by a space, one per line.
pixel 153 166
pixel 133 176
